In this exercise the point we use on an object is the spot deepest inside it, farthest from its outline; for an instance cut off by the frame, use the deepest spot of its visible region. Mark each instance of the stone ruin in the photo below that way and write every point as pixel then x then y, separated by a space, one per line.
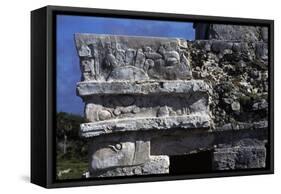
pixel 148 99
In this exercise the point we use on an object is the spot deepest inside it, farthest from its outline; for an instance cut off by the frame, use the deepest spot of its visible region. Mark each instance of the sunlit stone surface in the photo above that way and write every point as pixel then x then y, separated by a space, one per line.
pixel 149 98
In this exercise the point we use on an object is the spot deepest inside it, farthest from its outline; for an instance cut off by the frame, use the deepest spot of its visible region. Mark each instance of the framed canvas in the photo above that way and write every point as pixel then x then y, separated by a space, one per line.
pixel 124 96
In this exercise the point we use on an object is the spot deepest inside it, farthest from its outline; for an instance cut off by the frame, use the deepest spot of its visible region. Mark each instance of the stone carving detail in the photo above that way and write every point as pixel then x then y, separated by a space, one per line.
pixel 122 78
pixel 127 106
pixel 118 154
pixel 108 58
pixel 149 98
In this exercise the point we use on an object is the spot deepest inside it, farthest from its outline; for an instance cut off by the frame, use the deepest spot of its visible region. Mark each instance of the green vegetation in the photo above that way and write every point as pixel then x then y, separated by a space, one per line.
pixel 70 168
pixel 71 155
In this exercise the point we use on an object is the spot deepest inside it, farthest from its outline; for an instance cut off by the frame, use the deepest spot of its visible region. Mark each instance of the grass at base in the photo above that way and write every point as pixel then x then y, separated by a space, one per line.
pixel 73 168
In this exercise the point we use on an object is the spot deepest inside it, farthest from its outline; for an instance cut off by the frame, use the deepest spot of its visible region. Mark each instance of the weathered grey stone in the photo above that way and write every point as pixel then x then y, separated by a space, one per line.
pixel 142 106
pixel 260 124
pixel 140 59
pixel 264 33
pixel 141 88
pixel 103 115
pixel 262 51
pixel 104 155
pixel 181 142
pixel 237 74
pixel 235 106
pixel 156 165
pixel 123 57
pixel 84 51
pixel 243 125
pixel 231 32
pixel 163 111
pixel 245 154
pixel 221 46
pixel 260 105
pixel 201 121
pixel 224 159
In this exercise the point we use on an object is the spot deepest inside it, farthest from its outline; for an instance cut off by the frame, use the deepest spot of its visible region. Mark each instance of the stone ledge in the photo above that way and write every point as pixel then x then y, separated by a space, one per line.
pixel 182 142
pixel 202 121
pixel 88 88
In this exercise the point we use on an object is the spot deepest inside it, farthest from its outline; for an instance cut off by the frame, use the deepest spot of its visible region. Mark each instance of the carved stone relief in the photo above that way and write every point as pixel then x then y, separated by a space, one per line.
pixel 143 105
pixel 108 58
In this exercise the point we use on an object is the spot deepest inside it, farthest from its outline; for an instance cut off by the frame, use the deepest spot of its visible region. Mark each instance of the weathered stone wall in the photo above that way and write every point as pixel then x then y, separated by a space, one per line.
pixel 237 72
pixel 233 59
pixel 204 31
pixel 149 98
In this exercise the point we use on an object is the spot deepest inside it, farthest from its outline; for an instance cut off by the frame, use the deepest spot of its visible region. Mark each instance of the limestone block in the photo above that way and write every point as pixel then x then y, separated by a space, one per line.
pixel 141 87
pixel 156 165
pixel 109 154
pixel 110 107
pixel 201 121
pixel 245 154
pixel 133 58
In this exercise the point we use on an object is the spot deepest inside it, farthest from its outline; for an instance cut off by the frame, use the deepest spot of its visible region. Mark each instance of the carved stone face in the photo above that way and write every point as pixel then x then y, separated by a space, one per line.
pixel 119 154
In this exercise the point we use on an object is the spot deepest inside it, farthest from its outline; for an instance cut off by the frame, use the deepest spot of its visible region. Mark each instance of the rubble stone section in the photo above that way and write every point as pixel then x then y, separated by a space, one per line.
pixel 234 60
pixel 244 154
pixel 148 98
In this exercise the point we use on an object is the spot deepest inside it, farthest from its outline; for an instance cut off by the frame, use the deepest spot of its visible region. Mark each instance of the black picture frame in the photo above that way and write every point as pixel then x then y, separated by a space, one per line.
pixel 43 84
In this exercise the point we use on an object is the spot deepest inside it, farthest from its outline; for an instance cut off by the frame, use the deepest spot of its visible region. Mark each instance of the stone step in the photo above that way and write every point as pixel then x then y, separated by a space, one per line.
pixel 199 120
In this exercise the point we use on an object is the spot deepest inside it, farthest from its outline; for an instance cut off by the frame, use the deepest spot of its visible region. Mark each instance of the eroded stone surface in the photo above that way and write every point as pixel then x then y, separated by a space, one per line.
pixel 142 86
pixel 181 142
pixel 201 121
pixel 105 108
pixel 244 154
pixel 156 165
pixel 110 57
pixel 231 32
pixel 108 154
pixel 237 72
